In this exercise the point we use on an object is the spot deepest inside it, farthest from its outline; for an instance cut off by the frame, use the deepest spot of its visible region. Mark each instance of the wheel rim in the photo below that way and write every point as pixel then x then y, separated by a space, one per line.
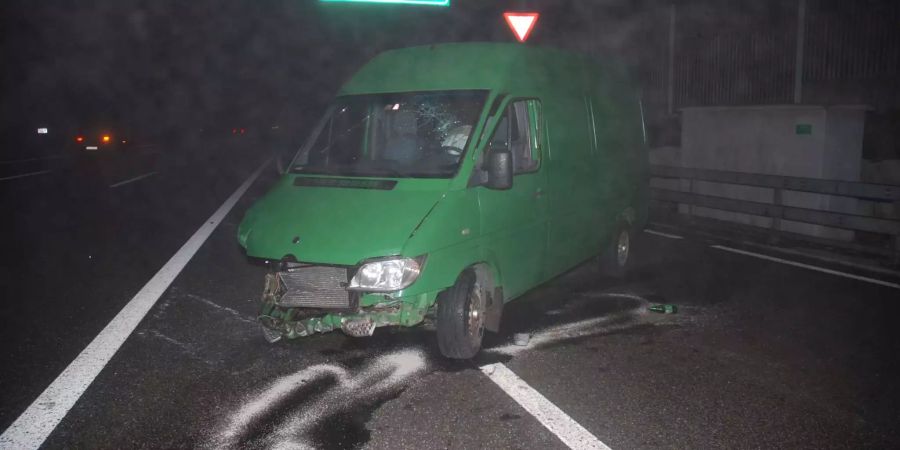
pixel 475 313
pixel 622 248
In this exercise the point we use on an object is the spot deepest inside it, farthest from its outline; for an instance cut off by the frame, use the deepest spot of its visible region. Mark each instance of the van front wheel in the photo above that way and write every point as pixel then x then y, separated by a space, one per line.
pixel 460 318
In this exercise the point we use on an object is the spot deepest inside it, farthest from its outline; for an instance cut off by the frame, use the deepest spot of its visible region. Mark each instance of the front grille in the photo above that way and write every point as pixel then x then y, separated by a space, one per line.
pixel 314 287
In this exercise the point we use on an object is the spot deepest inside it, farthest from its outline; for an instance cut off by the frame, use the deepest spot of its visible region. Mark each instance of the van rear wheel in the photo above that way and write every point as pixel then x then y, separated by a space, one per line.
pixel 616 257
pixel 460 318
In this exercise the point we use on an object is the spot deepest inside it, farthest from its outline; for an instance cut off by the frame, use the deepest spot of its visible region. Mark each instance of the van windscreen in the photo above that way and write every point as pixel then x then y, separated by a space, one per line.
pixel 414 135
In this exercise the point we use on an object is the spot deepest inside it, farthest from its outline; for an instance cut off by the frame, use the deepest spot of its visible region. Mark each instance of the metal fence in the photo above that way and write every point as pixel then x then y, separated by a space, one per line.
pixel 747 53
pixel 886 226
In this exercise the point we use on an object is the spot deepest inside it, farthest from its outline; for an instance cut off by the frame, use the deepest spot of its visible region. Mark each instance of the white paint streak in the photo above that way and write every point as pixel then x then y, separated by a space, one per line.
pixel 660 233
pixel 132 180
pixel 604 324
pixel 23 175
pixel 383 374
pixel 271 397
pixel 808 266
pixel 37 422
pixel 558 422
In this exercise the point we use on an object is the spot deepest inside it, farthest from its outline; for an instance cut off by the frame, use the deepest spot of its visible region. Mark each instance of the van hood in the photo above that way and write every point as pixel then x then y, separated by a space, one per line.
pixel 336 225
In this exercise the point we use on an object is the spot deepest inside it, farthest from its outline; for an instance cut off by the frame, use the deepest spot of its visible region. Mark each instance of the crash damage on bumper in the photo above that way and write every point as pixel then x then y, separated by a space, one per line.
pixel 318 302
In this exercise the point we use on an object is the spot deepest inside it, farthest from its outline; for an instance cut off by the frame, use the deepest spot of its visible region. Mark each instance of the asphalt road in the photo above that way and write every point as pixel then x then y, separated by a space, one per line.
pixel 761 354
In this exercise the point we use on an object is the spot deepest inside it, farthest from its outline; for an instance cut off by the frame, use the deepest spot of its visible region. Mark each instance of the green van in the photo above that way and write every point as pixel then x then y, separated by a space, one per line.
pixel 445 181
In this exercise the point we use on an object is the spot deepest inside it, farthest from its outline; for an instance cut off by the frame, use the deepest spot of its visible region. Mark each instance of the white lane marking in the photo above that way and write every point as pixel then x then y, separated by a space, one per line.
pixel 23 175
pixel 823 258
pixel 43 415
pixel 660 233
pixel 807 266
pixel 559 423
pixel 41 158
pixel 131 180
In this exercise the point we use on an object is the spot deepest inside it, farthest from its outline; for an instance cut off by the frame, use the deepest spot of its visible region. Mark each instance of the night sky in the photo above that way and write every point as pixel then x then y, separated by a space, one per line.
pixel 173 65
pixel 178 64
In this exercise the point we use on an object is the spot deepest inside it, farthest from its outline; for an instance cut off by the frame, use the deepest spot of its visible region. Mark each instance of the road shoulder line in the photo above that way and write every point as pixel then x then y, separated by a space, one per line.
pixel 807 266
pixel 36 423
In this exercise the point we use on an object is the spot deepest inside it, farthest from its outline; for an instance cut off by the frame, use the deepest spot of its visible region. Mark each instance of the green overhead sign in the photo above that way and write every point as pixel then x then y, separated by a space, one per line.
pixel 403 2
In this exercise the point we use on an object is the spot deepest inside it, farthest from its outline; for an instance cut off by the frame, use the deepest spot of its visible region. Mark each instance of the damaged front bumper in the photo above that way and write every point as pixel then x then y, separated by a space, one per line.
pixel 361 315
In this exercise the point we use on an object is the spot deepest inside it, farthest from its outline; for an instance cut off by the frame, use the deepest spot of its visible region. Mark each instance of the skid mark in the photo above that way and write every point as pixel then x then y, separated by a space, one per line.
pixel 296 420
pixel 161 307
pixel 187 349
pixel 178 293
pixel 232 312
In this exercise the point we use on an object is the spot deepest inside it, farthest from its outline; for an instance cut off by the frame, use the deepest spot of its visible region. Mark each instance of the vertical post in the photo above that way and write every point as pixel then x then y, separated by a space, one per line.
pixel 798 60
pixel 690 207
pixel 896 257
pixel 671 74
pixel 779 213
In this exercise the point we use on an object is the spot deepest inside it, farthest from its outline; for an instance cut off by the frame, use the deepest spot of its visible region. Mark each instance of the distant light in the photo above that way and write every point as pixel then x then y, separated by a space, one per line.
pixel 105 138
pixel 396 107
pixel 521 23
pixel 234 131
pixel 401 2
pixel 124 141
pixel 79 139
pixel 42 131
pixel 242 131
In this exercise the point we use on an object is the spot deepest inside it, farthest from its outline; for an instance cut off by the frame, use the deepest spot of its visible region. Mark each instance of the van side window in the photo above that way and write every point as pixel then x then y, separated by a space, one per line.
pixel 518 131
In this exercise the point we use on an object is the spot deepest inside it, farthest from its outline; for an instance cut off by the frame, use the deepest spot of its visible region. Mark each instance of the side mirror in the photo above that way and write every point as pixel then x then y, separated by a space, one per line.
pixel 499 169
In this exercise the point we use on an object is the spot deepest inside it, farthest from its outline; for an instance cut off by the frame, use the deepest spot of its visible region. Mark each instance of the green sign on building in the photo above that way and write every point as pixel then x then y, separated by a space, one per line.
pixel 803 128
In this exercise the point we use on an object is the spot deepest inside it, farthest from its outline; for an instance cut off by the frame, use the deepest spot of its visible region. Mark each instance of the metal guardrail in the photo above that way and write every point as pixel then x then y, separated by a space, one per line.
pixel 776 210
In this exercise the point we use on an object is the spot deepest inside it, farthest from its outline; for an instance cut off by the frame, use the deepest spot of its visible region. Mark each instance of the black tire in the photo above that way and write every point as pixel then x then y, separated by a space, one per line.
pixel 459 331
pixel 617 254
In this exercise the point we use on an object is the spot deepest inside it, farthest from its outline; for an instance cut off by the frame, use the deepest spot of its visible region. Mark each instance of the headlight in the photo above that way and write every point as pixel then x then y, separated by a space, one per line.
pixel 387 275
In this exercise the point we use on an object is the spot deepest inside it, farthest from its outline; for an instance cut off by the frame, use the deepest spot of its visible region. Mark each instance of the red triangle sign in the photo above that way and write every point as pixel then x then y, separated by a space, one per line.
pixel 521 23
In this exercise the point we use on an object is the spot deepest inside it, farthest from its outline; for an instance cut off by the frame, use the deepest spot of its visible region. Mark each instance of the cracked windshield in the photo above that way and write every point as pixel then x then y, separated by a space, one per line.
pixel 421 135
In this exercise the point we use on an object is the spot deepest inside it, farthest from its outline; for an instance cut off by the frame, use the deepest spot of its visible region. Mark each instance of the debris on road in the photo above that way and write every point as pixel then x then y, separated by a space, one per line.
pixel 663 308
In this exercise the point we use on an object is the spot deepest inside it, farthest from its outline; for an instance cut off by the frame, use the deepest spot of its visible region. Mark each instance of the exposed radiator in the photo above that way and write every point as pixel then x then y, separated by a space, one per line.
pixel 314 287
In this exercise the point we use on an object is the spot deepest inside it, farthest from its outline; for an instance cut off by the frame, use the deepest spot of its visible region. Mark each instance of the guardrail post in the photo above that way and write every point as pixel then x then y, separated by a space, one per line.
pixel 896 258
pixel 776 218
pixel 690 206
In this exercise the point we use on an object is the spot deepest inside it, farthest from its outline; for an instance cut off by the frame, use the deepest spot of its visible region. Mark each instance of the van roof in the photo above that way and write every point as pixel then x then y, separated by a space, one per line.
pixel 481 65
